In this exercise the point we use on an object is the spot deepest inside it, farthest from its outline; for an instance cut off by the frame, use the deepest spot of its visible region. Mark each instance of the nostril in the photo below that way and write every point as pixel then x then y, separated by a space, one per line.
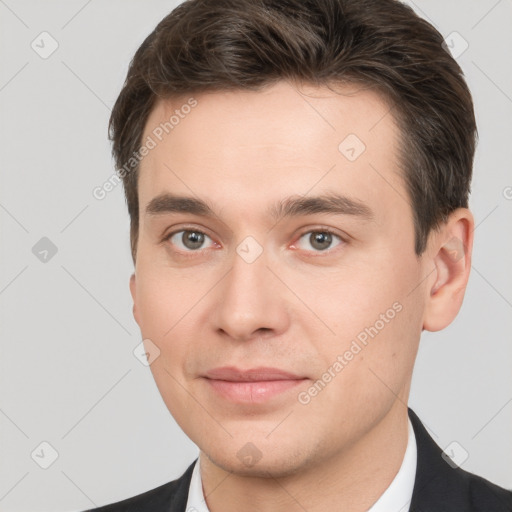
pixel 263 330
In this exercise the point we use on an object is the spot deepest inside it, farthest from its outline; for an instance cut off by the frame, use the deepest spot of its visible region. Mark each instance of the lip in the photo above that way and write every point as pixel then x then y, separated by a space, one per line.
pixel 254 385
pixel 262 373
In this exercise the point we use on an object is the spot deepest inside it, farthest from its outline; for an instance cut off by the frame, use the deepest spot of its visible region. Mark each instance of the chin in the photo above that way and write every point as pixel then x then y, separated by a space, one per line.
pixel 248 462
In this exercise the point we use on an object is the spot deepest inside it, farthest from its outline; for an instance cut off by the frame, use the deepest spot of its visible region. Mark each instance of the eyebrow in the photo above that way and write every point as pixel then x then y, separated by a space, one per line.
pixel 290 207
pixel 328 203
pixel 170 203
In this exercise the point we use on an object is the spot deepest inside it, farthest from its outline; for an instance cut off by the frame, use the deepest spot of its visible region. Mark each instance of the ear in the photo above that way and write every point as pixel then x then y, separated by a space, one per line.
pixel 449 251
pixel 133 291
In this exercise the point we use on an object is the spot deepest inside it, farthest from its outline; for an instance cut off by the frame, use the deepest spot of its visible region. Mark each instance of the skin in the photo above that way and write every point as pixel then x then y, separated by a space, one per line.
pixel 295 307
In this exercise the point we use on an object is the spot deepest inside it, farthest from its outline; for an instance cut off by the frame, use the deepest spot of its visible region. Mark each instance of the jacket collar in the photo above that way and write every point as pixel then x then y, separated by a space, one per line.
pixel 179 497
pixel 438 485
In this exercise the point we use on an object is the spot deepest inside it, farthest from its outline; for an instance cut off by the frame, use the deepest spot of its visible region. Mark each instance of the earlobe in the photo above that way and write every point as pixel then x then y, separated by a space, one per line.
pixel 453 244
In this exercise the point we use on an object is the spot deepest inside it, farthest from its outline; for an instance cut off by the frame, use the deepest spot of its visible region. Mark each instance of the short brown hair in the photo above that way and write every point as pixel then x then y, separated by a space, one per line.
pixel 219 45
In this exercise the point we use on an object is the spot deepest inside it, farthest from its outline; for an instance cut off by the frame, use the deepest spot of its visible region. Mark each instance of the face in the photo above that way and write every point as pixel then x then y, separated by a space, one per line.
pixel 276 272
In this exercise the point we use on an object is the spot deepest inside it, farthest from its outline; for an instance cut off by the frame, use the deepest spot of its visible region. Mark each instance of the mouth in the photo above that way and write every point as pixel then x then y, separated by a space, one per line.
pixel 255 385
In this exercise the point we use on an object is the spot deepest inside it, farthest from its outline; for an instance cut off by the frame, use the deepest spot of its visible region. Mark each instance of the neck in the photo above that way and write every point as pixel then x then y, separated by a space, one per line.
pixel 352 480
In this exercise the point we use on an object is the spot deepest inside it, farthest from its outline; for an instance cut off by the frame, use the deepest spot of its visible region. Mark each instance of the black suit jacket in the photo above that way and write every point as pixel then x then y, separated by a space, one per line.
pixel 438 487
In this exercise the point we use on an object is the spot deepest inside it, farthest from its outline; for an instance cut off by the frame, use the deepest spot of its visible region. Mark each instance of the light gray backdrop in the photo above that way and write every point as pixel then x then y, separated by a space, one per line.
pixel 68 374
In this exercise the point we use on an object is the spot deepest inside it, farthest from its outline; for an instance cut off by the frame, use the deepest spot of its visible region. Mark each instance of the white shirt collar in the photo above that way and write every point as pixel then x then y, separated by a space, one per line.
pixel 396 497
pixel 195 501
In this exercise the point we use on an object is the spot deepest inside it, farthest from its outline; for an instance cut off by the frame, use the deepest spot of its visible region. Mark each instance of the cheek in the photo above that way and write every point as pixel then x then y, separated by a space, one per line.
pixel 166 298
pixel 371 366
pixel 172 314
pixel 155 310
pixel 352 298
pixel 166 316
pixel 369 315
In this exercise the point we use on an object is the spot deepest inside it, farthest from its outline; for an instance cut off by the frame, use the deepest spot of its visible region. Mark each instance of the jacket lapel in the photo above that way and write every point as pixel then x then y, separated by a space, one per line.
pixel 178 500
pixel 438 486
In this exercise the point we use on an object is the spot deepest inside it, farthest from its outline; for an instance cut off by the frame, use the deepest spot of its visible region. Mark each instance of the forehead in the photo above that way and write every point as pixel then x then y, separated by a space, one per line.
pixel 280 140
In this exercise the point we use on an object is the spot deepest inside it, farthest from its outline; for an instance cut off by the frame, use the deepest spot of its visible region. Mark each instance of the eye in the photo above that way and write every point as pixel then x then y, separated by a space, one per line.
pixel 189 240
pixel 319 240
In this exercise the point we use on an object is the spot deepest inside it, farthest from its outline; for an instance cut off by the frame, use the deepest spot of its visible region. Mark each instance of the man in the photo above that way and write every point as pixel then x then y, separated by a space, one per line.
pixel 297 175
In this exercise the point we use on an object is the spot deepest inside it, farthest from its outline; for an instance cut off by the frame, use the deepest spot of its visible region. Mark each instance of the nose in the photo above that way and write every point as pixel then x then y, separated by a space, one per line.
pixel 250 301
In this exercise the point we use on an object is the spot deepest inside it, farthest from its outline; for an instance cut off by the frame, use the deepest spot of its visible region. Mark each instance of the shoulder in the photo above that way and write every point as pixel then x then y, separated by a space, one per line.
pixel 441 486
pixel 484 495
pixel 171 496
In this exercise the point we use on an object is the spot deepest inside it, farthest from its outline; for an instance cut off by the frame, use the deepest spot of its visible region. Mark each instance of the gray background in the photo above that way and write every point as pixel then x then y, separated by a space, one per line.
pixel 68 373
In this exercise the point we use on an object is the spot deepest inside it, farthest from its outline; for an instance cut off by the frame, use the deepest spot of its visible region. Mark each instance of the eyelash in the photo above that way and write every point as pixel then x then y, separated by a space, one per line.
pixel 192 253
